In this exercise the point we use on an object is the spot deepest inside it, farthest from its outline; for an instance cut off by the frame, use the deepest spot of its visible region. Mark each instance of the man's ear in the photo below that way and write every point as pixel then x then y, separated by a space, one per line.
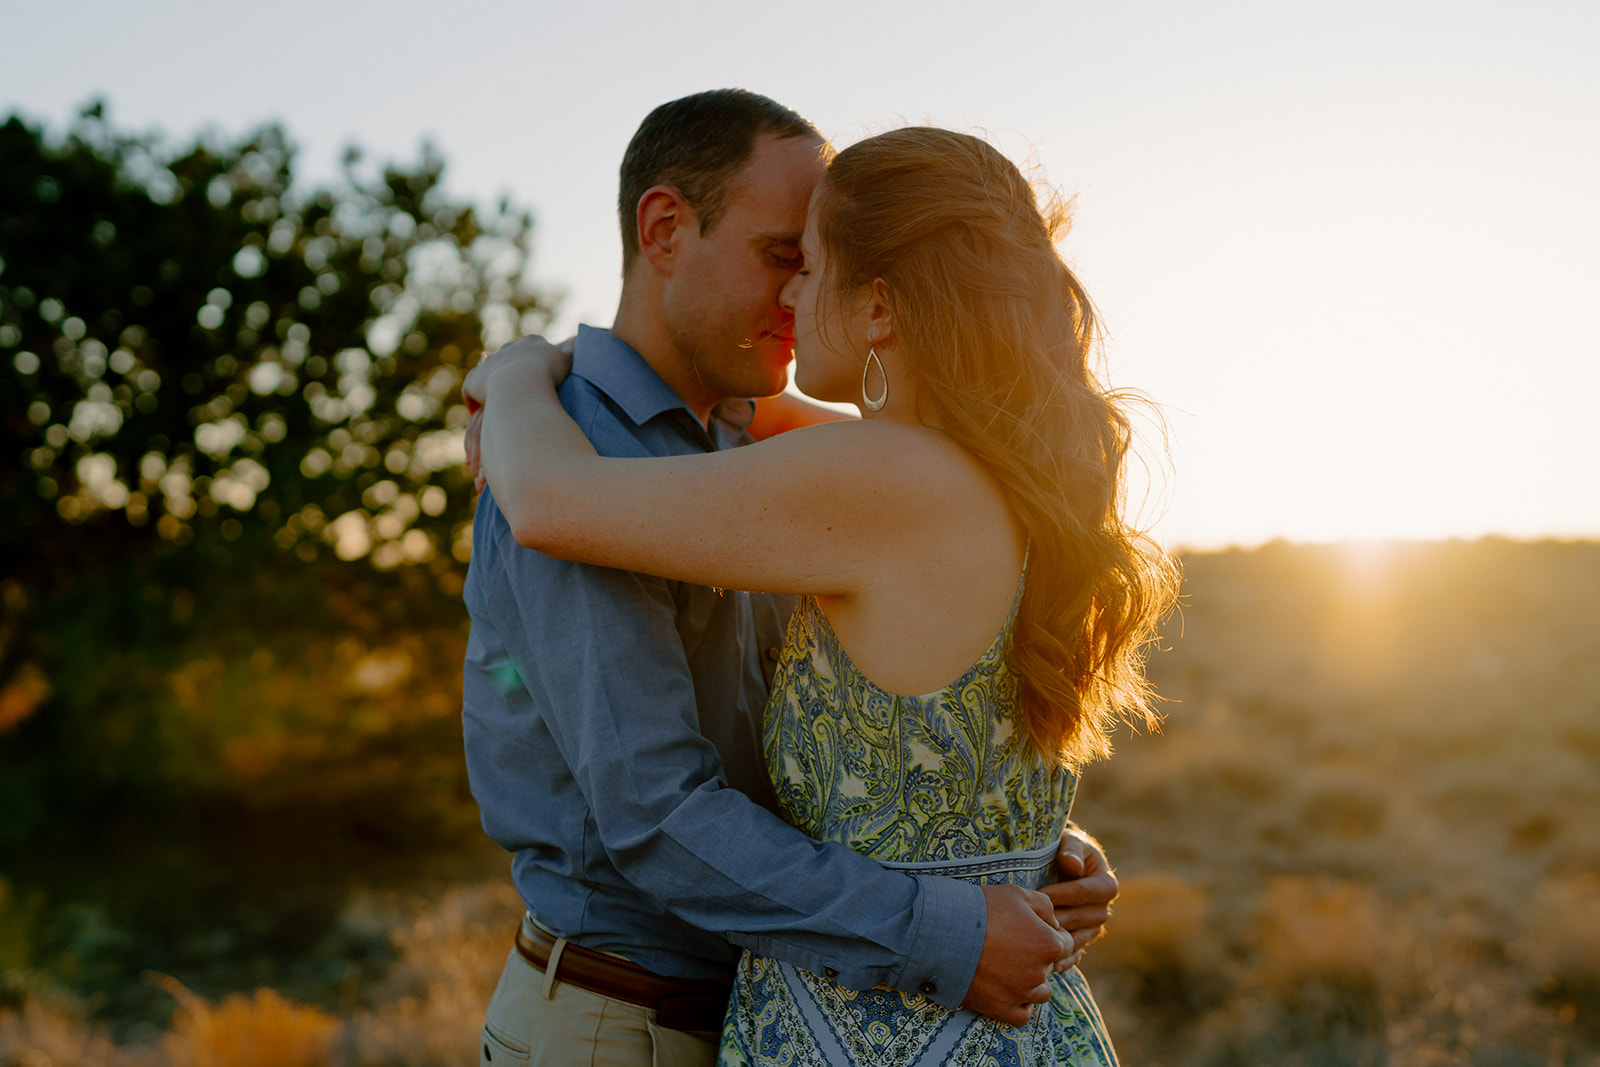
pixel 663 215
pixel 880 315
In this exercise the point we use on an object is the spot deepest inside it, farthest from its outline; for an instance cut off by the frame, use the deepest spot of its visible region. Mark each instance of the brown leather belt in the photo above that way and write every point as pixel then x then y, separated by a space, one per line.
pixel 679 1003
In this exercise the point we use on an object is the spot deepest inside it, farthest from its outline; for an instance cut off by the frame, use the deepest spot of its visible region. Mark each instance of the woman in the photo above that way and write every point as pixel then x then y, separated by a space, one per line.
pixel 974 607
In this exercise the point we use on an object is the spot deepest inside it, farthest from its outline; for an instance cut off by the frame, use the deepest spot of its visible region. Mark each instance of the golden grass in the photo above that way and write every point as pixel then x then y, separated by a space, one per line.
pixel 263 1030
pixel 1161 925
pixel 1380 787
pixel 429 1008
pixel 51 1031
pixel 1370 834
pixel 424 1010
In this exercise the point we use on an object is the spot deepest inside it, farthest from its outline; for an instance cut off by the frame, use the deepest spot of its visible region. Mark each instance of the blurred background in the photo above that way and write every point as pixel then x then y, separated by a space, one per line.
pixel 246 256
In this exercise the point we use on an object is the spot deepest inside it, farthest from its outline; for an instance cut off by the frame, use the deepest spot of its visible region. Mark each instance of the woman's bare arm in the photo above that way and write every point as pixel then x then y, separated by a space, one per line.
pixel 805 512
pixel 785 412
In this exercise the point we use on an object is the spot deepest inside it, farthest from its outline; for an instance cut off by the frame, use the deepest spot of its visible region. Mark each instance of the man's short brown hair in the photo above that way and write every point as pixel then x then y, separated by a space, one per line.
pixel 696 145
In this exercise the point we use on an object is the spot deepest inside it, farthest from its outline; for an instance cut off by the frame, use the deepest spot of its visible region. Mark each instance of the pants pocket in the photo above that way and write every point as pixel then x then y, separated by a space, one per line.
pixel 500 1049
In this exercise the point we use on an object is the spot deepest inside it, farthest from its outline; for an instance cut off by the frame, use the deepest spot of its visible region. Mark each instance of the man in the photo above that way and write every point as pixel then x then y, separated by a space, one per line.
pixel 612 719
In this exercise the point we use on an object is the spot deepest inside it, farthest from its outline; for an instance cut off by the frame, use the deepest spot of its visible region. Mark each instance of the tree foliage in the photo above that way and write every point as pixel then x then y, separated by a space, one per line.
pixel 230 417
pixel 200 360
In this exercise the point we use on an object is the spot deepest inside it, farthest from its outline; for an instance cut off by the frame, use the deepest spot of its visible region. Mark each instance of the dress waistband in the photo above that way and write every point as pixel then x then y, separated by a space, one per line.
pixel 1035 861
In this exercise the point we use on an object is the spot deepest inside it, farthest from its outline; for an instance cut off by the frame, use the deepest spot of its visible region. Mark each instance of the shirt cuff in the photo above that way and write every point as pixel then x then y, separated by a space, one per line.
pixel 948 941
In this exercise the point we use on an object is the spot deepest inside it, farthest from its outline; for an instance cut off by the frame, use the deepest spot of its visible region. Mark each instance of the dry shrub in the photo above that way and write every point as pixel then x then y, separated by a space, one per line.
pixel 1160 920
pixel 1183 802
pixel 430 1007
pixel 1346 811
pixel 1564 936
pixel 52 1031
pixel 1335 958
pixel 22 695
pixel 1314 931
pixel 1561 950
pixel 260 1031
pixel 424 1012
pixel 1159 958
pixel 1416 739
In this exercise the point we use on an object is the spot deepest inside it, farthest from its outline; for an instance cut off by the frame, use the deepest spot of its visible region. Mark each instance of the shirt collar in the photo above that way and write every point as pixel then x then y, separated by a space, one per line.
pixel 612 365
pixel 735 413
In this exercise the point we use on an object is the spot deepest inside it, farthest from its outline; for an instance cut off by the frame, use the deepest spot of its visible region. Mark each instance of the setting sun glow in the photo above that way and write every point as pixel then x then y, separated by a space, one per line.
pixel 1348 249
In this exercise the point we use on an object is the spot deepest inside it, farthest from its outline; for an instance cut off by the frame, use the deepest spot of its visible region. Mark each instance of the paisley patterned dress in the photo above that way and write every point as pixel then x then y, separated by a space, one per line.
pixel 946 783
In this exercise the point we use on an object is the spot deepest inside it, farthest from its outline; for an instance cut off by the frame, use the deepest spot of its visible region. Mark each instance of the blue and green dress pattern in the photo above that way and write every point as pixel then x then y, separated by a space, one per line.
pixel 946 783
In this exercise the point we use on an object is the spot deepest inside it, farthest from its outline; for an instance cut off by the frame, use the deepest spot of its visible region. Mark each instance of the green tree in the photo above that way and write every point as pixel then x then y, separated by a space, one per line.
pixel 229 410
pixel 199 358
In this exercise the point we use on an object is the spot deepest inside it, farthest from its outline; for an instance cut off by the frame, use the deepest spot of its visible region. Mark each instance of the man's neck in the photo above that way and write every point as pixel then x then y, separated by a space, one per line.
pixel 646 334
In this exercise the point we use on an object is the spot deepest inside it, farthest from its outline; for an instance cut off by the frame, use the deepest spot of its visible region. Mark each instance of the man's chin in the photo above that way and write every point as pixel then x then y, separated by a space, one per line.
pixel 776 355
pixel 770 387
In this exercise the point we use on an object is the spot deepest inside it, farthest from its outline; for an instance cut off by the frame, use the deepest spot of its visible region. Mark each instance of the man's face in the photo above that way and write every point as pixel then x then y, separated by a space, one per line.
pixel 721 304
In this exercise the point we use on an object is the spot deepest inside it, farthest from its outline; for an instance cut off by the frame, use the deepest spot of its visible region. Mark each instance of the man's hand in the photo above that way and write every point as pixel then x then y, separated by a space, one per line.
pixel 475 389
pixel 1021 945
pixel 1083 897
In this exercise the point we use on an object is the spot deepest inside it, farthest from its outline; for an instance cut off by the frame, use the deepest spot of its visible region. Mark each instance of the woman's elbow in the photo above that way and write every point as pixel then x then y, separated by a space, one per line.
pixel 543 531
pixel 531 526
pixel 547 512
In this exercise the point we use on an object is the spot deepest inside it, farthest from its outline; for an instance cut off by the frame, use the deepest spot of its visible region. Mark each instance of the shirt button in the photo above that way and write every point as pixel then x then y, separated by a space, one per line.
pixel 772 654
pixel 830 972
pixel 930 987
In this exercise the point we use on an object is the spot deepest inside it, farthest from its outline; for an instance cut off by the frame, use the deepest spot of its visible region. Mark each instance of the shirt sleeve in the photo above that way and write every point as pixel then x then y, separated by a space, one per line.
pixel 599 651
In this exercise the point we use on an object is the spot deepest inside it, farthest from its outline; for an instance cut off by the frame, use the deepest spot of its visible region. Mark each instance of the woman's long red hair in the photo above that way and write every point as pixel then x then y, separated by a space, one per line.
pixel 999 334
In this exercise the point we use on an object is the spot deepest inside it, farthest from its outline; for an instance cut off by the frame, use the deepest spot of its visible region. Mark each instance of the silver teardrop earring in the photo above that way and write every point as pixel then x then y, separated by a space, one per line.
pixel 871 403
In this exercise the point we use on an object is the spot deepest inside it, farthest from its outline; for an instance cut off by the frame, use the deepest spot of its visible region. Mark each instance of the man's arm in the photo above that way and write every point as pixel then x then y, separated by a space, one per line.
pixel 619 701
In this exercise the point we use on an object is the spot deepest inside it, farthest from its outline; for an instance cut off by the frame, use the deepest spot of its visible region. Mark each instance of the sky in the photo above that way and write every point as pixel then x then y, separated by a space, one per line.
pixel 1349 250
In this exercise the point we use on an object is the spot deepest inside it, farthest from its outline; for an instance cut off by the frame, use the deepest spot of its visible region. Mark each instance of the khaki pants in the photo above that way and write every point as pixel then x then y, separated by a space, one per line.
pixel 554 1024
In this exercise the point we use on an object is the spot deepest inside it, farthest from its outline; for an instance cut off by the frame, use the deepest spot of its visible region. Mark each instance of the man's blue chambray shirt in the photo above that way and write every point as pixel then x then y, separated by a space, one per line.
pixel 613 725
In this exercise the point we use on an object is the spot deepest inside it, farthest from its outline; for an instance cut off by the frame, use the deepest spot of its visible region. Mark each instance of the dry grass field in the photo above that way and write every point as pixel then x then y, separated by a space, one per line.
pixel 1369 834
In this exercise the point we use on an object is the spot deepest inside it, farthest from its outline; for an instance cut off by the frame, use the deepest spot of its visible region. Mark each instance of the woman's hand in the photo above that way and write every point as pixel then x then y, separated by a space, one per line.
pixel 556 361
pixel 1083 897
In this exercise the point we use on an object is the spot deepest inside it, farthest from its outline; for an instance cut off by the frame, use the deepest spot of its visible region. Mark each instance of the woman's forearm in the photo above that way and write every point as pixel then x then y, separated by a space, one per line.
pixel 802 513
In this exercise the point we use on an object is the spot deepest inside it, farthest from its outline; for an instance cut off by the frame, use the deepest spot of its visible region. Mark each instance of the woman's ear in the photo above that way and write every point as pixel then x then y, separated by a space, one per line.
pixel 661 216
pixel 880 315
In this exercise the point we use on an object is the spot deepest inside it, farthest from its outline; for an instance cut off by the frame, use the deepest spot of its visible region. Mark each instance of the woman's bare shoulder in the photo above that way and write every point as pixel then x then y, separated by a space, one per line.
pixel 920 456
